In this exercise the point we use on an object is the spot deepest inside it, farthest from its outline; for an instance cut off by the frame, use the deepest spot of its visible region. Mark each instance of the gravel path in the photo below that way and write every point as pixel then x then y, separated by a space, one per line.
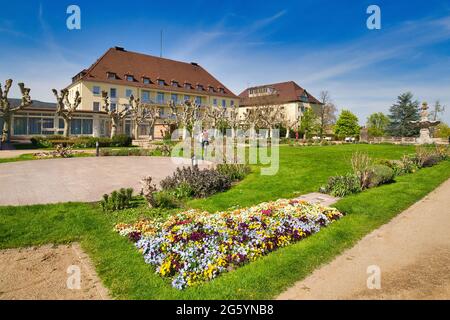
pixel 412 252
pixel 48 273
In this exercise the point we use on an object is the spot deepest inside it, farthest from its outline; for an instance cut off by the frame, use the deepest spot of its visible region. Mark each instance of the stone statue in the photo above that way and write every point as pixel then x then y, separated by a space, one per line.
pixel 425 124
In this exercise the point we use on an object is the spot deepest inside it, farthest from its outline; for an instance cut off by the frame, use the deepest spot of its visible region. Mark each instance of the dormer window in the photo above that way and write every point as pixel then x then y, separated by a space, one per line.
pixel 130 78
pixel 174 83
pixel 221 90
pixel 111 75
pixel 211 89
pixel 200 87
pixel 304 97
pixel 146 80
pixel 187 85
pixel 161 82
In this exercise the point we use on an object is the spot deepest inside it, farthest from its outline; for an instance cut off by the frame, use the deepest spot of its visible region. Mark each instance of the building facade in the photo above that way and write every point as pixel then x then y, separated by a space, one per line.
pixel 292 99
pixel 122 73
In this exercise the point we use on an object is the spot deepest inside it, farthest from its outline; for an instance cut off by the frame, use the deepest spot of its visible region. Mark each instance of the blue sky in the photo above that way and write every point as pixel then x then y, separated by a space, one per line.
pixel 322 45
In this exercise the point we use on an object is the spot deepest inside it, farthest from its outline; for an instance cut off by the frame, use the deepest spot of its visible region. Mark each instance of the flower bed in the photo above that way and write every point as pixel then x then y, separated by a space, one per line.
pixel 193 246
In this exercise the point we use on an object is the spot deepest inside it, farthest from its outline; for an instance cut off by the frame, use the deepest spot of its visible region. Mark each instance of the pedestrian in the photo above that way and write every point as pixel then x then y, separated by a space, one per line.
pixel 205 142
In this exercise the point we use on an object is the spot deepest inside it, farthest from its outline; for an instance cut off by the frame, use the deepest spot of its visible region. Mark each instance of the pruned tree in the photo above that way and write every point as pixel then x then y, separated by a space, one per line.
pixel 252 118
pixel 7 110
pixel 65 109
pixel 215 117
pixel 326 112
pixel 186 116
pixel 233 119
pixel 143 113
pixel 114 113
pixel 290 124
pixel 271 117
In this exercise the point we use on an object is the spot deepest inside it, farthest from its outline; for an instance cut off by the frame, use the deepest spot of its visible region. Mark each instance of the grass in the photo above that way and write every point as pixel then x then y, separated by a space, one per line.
pixel 30 156
pixel 123 271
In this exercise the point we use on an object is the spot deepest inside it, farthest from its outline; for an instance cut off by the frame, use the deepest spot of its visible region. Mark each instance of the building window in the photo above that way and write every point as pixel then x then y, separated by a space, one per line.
pixel 215 102
pixel 20 126
pixel 111 76
pixel 200 87
pixel 211 89
pixel 161 82
pixel 232 103
pixel 174 83
pixel 145 96
pixel 48 125
pixel 113 107
pixel 34 125
pixel 130 78
pixel 86 127
pixel 221 90
pixel 146 80
pixel 187 98
pixel 224 103
pixel 160 97
pixel 113 93
pixel 96 106
pixel 198 100
pixel 174 97
pixel 96 90
pixel 61 126
pixel 75 126
pixel 128 93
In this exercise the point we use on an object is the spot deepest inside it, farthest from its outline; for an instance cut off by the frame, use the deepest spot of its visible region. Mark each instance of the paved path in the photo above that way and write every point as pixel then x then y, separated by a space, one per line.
pixel 77 179
pixel 412 251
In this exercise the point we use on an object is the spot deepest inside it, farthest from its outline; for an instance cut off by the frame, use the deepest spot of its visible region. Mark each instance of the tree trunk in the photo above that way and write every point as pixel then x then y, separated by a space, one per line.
pixel 66 127
pixel 287 132
pixel 185 133
pixel 136 130
pixel 113 127
pixel 6 128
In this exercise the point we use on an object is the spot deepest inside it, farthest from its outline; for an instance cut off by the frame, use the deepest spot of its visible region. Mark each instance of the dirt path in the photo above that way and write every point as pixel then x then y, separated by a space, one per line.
pixel 412 252
pixel 43 273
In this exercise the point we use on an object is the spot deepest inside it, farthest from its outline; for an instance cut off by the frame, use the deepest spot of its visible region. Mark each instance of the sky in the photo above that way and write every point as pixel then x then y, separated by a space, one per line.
pixel 321 45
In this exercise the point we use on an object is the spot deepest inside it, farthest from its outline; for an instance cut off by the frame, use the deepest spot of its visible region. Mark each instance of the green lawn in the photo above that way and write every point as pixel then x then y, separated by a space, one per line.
pixel 123 271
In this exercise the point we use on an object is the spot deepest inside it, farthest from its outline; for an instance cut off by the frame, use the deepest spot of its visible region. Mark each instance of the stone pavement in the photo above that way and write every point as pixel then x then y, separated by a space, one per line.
pixel 78 179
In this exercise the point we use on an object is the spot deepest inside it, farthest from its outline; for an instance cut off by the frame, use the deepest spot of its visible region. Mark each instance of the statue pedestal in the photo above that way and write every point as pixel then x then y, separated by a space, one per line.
pixel 424 137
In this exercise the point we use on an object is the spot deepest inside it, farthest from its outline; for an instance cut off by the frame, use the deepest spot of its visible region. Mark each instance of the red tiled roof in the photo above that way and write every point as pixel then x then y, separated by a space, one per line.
pixel 284 92
pixel 122 63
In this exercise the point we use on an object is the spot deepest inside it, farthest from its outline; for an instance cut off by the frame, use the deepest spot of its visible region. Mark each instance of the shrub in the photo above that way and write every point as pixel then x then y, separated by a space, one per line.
pixel 203 183
pixel 121 140
pixel 234 171
pixel 431 160
pixel 40 142
pixel 341 186
pixel 117 200
pixel 165 199
pixel 124 152
pixel 183 191
pixel 380 174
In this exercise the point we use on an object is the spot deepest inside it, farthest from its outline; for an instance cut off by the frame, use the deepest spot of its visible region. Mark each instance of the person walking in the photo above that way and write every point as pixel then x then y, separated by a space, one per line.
pixel 205 142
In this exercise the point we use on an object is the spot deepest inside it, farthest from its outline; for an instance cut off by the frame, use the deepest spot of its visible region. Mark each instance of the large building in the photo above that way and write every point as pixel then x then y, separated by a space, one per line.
pixel 289 96
pixel 123 73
